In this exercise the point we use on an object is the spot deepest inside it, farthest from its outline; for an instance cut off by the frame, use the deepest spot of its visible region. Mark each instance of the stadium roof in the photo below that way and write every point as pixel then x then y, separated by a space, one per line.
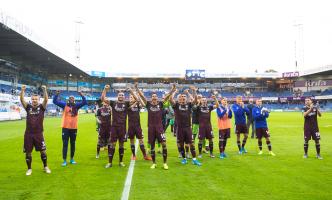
pixel 18 45
pixel 321 71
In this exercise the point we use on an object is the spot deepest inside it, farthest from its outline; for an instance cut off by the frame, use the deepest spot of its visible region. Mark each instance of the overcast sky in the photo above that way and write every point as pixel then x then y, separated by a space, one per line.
pixel 174 35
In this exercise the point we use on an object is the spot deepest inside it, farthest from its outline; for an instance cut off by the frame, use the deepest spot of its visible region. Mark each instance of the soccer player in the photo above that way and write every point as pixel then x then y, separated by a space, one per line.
pixel 205 127
pixel 260 114
pixel 118 129
pixel 240 112
pixel 155 124
pixel 33 136
pixel 183 110
pixel 250 119
pixel 194 120
pixel 104 114
pixel 311 129
pixel 169 117
pixel 224 114
pixel 134 126
pixel 69 124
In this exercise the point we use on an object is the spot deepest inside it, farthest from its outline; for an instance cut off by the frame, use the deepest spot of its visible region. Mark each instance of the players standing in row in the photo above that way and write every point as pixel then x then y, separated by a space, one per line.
pixel 118 127
pixel 311 130
pixel 134 124
pixel 224 114
pixel 183 109
pixel 205 128
pixel 69 124
pixel 260 114
pixel 117 111
pixel 33 136
pixel 103 117
pixel 240 112
pixel 155 124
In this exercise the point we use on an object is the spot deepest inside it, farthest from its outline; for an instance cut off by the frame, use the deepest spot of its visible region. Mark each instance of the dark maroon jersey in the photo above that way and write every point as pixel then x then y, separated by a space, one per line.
pixel 204 115
pixel 310 121
pixel 155 114
pixel 119 112
pixel 35 119
pixel 183 114
pixel 134 115
pixel 104 115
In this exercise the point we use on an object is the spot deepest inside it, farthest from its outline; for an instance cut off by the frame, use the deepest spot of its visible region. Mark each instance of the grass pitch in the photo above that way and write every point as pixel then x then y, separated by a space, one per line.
pixel 250 176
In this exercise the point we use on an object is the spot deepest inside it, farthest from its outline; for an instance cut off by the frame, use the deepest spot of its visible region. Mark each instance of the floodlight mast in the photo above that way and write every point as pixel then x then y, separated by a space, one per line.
pixel 78 24
pixel 298 45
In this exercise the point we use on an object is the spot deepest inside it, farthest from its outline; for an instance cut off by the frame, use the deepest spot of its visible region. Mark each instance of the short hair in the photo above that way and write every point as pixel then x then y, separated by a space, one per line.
pixel 152 93
pixel 238 96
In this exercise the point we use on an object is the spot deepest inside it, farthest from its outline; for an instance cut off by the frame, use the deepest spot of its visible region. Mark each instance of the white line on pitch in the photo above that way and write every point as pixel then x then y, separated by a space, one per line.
pixel 126 189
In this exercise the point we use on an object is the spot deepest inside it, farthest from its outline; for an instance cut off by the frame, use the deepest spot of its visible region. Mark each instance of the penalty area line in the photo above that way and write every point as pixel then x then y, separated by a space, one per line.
pixel 127 185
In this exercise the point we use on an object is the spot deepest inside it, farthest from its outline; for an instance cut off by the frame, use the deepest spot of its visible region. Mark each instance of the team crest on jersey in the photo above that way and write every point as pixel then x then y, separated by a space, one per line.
pixel 120 108
pixel 34 111
pixel 205 110
pixel 134 109
pixel 312 113
pixel 184 108
pixel 155 108
pixel 104 114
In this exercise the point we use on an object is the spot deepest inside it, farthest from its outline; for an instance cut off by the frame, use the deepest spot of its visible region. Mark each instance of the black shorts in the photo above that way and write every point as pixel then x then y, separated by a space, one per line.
pixel 135 131
pixel 104 136
pixel 34 140
pixel 241 128
pixel 118 133
pixel 156 133
pixel 205 133
pixel 185 135
pixel 262 132
pixel 224 133
pixel 311 134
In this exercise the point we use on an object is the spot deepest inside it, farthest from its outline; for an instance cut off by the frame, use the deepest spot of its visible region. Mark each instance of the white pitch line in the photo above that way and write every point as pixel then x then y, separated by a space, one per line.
pixel 127 185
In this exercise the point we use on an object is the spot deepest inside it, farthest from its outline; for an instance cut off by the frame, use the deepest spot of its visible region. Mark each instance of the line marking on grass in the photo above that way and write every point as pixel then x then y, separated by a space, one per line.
pixel 127 185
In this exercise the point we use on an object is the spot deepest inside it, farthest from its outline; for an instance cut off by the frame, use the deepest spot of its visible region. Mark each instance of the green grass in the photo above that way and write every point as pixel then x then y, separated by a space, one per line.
pixel 286 176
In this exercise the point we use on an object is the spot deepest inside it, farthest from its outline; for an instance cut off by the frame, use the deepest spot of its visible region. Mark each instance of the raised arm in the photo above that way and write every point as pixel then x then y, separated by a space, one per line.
pixel 319 113
pixel 170 94
pixel 216 102
pixel 23 102
pixel 171 99
pixel 220 112
pixel 194 89
pixel 257 115
pixel 191 98
pixel 137 99
pixel 57 102
pixel 140 93
pixel 45 96
pixel 83 103
pixel 230 114
pixel 103 94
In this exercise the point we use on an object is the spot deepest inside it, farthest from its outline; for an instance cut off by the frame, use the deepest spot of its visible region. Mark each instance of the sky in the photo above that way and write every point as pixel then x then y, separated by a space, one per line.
pixel 153 36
